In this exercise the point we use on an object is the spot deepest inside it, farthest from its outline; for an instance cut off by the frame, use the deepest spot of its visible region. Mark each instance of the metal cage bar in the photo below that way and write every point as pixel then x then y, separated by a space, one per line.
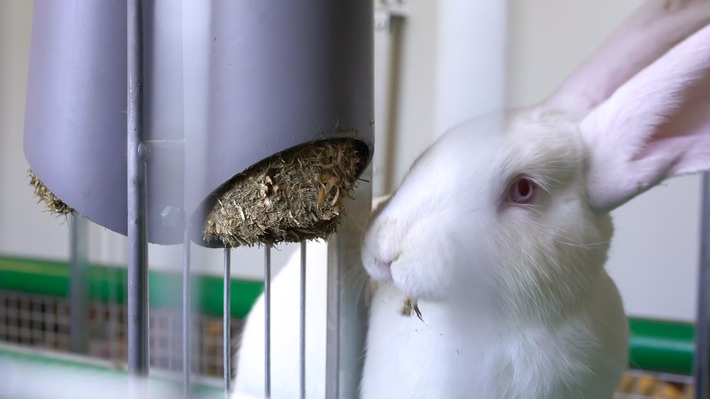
pixel 267 321
pixel 347 313
pixel 78 283
pixel 302 326
pixel 186 317
pixel 138 351
pixel 702 333
pixel 226 338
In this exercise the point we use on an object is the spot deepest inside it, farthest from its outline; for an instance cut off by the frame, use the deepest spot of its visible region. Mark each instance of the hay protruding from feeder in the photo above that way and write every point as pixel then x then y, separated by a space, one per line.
pixel 411 305
pixel 293 196
pixel 52 203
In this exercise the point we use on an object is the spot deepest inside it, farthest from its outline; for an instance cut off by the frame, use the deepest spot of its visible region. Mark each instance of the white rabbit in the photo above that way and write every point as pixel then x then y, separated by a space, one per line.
pixel 500 230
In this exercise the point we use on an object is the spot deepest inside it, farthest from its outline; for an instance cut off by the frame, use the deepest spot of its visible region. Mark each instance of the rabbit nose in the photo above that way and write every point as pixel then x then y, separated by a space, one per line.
pixel 380 270
pixel 385 266
pixel 379 263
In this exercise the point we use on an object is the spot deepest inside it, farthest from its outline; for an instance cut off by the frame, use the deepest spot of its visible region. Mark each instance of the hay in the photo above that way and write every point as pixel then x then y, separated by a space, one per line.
pixel 293 196
pixel 410 304
pixel 52 203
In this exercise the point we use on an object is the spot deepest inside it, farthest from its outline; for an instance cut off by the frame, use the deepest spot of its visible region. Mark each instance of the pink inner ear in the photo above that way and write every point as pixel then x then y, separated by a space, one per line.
pixel 684 134
pixel 654 126
pixel 692 113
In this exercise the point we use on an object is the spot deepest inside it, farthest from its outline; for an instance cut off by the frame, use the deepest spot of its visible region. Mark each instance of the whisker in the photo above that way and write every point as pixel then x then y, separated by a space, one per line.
pixel 589 245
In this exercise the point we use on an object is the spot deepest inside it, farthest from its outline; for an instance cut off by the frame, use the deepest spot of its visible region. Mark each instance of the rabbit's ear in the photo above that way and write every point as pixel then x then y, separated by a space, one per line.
pixel 646 35
pixel 654 126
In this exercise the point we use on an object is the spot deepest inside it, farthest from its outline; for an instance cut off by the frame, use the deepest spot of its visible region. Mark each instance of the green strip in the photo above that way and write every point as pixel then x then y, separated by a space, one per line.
pixel 654 345
pixel 108 284
pixel 662 346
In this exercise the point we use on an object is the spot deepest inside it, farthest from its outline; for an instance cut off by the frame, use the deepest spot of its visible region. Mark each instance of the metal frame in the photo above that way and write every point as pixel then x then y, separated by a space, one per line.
pixel 701 370
pixel 226 322
pixel 137 153
pixel 267 321
pixel 302 326
pixel 186 317
pixel 347 313
pixel 78 283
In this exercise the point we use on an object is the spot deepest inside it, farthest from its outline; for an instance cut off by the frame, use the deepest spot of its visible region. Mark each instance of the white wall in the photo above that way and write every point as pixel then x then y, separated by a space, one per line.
pixel 444 77
pixel 22 224
pixel 449 59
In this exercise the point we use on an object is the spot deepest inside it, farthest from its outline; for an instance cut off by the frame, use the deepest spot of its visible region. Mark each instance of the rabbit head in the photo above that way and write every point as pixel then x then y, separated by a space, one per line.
pixel 512 209
pixel 493 208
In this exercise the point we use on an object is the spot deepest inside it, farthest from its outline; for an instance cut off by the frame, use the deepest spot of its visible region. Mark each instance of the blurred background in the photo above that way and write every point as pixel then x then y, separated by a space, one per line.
pixel 437 63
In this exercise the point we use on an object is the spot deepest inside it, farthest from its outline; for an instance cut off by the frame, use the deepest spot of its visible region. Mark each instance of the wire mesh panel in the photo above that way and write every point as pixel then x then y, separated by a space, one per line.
pixel 44 322
pixel 34 320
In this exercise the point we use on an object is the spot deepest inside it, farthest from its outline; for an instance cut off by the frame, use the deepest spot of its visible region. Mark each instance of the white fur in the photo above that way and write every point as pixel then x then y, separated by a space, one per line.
pixel 515 301
pixel 514 298
pixel 661 135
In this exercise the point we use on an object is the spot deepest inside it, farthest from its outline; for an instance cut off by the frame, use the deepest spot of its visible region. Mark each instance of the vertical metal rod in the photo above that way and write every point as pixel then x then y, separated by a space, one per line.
pixel 393 105
pixel 114 315
pixel 332 364
pixel 267 322
pixel 302 329
pixel 702 330
pixel 226 321
pixel 78 283
pixel 138 355
pixel 172 349
pixel 186 319
pixel 347 311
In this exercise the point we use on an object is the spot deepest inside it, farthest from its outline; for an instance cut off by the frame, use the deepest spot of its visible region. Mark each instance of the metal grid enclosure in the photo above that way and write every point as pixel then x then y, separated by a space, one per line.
pixel 44 322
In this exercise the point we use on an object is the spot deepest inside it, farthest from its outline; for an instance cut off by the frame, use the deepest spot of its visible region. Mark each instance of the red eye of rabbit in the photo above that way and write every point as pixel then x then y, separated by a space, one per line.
pixel 522 191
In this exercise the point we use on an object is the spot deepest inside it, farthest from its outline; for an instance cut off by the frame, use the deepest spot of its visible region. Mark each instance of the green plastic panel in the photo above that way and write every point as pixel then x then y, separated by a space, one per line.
pixel 662 346
pixel 654 344
pixel 108 284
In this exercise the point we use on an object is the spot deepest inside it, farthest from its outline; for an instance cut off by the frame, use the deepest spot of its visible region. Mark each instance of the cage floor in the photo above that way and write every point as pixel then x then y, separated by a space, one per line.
pixel 35 374
pixel 40 374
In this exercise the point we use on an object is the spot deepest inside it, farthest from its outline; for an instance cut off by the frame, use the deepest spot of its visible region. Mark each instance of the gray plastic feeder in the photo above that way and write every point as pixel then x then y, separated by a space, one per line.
pixel 281 74
pixel 75 120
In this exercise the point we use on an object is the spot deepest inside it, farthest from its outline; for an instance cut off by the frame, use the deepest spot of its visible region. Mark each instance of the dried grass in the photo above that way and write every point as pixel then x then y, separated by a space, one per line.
pixel 410 305
pixel 293 196
pixel 52 203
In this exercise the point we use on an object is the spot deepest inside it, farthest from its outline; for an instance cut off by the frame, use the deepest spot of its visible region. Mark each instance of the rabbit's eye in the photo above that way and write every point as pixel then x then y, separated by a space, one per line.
pixel 522 191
